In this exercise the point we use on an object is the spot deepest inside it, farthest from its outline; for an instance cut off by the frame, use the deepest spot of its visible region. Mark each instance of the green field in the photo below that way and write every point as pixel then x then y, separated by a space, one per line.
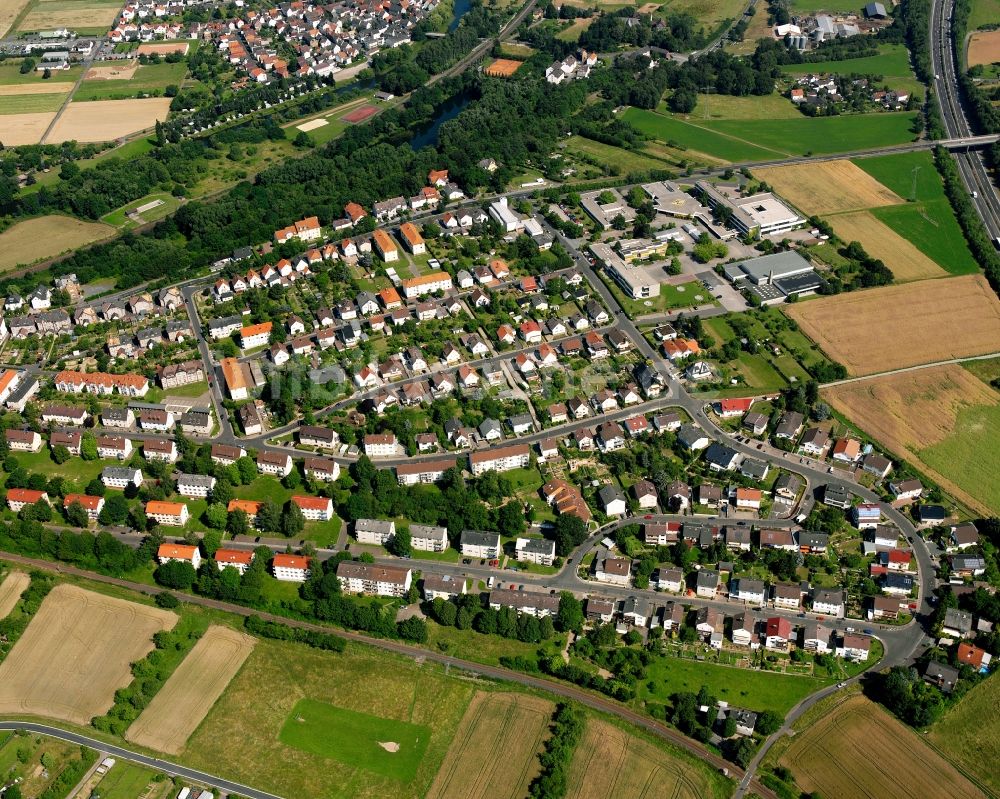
pixel 355 739
pixel 621 161
pixel 984 12
pixel 986 370
pixel 75 471
pixel 969 733
pixel 823 134
pixel 266 487
pixel 892 63
pixel 724 106
pixel 10 74
pixel 119 218
pixel 709 13
pixel 148 78
pixel 125 781
pixel 929 223
pixel 968 456
pixel 754 690
pixel 673 131
pixel 30 103
pixel 264 696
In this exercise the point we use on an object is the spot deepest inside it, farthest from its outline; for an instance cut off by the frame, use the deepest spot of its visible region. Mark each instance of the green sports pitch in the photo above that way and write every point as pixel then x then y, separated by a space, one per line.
pixel 357 739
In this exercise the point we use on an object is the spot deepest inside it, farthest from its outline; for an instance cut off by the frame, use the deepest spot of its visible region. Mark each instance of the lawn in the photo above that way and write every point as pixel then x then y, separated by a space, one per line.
pixel 264 487
pixel 676 132
pixel 968 456
pixel 724 106
pixel 984 12
pixel 822 134
pixel 76 471
pixel 148 78
pixel 356 739
pixel 119 218
pixel 125 781
pixel 892 63
pixel 754 690
pixel 10 73
pixel 263 700
pixel 30 103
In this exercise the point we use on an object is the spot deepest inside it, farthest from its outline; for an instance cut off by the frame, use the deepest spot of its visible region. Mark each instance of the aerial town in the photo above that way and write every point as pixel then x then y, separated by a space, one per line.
pixel 585 386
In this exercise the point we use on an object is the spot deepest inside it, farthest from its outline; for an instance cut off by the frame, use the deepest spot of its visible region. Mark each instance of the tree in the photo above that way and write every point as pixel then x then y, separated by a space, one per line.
pixel 570 614
pixel 413 629
pixel 400 545
pixel 88 447
pixel 76 515
pixel 27 65
pixel 268 516
pixel 177 574
pixel 768 723
pixel 292 521
pixel 166 600
pixel 568 532
pixel 41 511
pixel 238 523
pixel 115 510
pixel 510 519
pixel 60 454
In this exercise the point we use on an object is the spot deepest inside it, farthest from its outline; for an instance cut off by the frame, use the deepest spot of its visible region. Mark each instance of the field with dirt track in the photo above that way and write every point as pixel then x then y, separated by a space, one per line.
pixel 46 236
pixel 847 752
pixel 611 764
pixel 188 695
pixel 502 734
pixel 9 11
pixel 11 588
pixel 882 242
pixel 106 120
pixel 76 652
pixel 18 129
pixel 828 187
pixel 943 418
pixel 887 328
pixel 969 733
pixel 984 48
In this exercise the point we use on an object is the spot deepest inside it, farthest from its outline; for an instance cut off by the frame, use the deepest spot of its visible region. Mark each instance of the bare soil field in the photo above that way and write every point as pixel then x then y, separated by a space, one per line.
pixel 105 120
pixel 898 326
pixel 833 758
pixel 121 70
pixel 163 48
pixel 880 241
pixel 969 733
pixel 502 734
pixel 76 653
pixel 191 691
pixel 827 187
pixel 9 11
pixel 984 48
pixel 24 128
pixel 46 236
pixel 11 589
pixel 611 764
pixel 18 89
pixel 913 411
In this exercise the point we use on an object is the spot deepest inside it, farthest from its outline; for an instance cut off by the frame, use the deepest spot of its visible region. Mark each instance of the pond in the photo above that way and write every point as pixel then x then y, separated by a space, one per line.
pixel 427 135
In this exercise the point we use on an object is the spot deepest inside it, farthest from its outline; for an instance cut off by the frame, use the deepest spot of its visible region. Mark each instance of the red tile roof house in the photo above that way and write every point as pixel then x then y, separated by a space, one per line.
pixel 17 498
pixel 315 509
pixel 291 568
pixel 93 505
pixel 733 407
pixel 778 631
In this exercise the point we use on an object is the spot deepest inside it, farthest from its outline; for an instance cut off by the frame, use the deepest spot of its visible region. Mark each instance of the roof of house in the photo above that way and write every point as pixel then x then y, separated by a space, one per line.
pixel 183 551
pixel 160 508
pixel 282 561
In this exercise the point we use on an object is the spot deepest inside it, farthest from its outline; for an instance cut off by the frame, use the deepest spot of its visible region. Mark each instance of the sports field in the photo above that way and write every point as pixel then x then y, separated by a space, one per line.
pixel 827 187
pixel 11 588
pixel 262 698
pixel 189 693
pixel 384 746
pixel 943 418
pixel 360 114
pixel 502 734
pixel 77 15
pixel 969 733
pixel 897 326
pixel 105 120
pixel 882 242
pixel 46 236
pixel 612 764
pixel 836 756
pixel 76 653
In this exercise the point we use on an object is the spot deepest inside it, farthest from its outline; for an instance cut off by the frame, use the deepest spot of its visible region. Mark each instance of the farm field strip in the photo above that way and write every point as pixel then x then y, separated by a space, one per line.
pixel 984 48
pixel 925 416
pixel 968 733
pixel 22 89
pixel 904 325
pixel 832 757
pixel 512 724
pixel 36 103
pixel 827 187
pixel 79 15
pixel 76 653
pixel 191 691
pixel 10 10
pixel 21 129
pixel 105 120
pixel 46 236
pixel 880 241
pixel 11 588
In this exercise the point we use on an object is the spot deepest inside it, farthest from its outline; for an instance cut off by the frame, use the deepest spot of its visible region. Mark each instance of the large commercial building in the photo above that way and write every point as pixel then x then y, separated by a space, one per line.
pixel 761 214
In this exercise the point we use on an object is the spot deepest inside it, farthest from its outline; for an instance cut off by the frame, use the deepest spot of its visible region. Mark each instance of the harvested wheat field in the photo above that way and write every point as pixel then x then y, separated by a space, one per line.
pixel 46 236
pixel 20 129
pixel 191 691
pixel 833 757
pixel 611 764
pixel 105 120
pixel 121 70
pixel 9 11
pixel 827 187
pixel 51 14
pixel 984 48
pixel 163 48
pixel 19 89
pixel 76 653
pixel 880 241
pixel 898 326
pixel 11 589
pixel 919 414
pixel 502 735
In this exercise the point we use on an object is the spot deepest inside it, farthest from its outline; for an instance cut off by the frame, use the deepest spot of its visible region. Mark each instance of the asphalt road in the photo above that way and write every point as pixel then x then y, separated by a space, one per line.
pixel 173 769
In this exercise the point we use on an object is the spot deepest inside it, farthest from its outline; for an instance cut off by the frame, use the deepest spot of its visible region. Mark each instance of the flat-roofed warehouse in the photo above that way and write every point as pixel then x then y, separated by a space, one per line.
pixel 763 214
pixel 773 277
